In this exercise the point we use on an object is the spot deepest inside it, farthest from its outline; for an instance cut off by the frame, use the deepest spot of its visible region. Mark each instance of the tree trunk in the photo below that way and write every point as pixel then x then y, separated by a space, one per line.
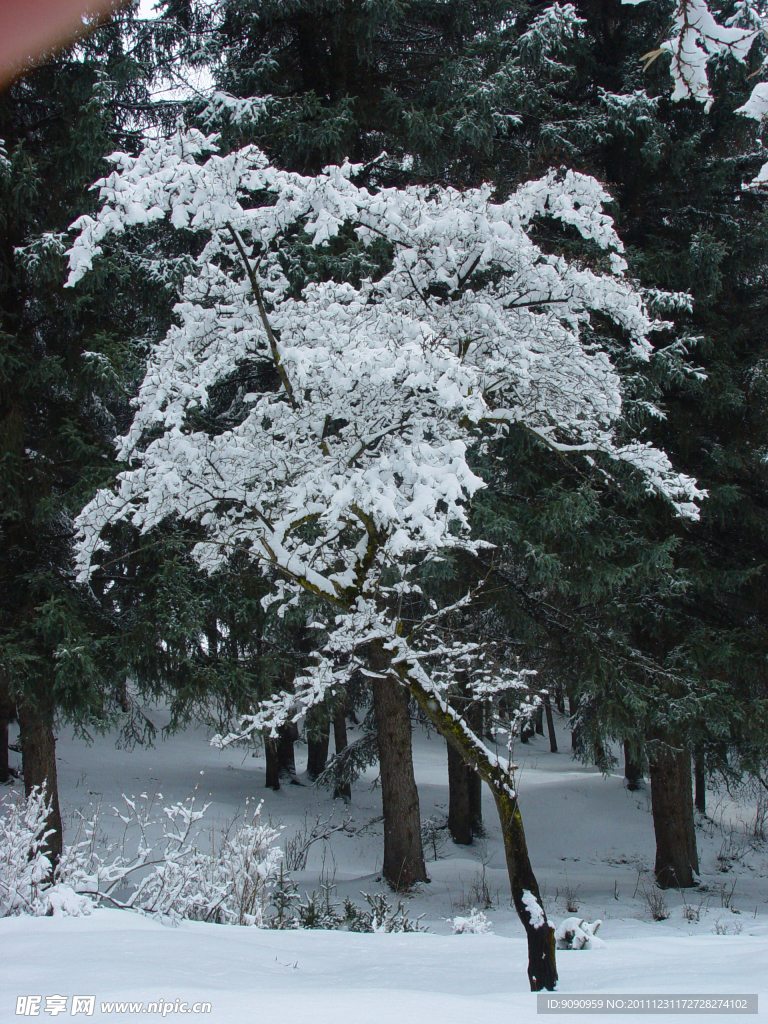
pixel 6 716
pixel 403 853
pixel 573 707
pixel 38 759
pixel 121 696
pixel 542 964
pixel 465 792
pixel 474 717
pixel 672 802
pixel 286 756
pixel 560 700
pixel 527 730
pixel 550 725
pixel 459 812
pixel 342 790
pixel 318 732
pixel 633 769
pixel 539 720
pixel 700 784
pixel 273 769
pixel 5 767
pixel 465 800
pixel 599 756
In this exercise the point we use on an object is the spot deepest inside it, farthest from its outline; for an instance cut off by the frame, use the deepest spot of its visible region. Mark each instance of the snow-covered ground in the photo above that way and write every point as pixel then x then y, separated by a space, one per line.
pixel 591 844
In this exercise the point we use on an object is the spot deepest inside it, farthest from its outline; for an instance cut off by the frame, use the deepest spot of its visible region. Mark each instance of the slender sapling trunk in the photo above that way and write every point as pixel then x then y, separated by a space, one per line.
pixel 342 790
pixel 550 724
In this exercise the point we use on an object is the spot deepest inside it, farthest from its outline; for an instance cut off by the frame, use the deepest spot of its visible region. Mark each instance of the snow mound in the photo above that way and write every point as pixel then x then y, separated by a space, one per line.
pixel 575 933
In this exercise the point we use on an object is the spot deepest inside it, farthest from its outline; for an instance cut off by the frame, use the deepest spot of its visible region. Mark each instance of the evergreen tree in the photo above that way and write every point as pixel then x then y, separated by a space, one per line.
pixel 656 626
pixel 68 365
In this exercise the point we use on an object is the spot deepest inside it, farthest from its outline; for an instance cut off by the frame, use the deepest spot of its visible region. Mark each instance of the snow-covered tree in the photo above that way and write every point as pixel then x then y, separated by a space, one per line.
pixel 350 466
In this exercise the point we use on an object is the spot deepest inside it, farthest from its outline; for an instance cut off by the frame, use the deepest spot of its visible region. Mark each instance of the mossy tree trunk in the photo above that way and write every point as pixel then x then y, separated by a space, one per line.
pixel 542 965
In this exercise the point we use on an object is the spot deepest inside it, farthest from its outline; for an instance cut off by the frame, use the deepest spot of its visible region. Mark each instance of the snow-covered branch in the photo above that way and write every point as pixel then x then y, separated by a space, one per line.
pixel 367 435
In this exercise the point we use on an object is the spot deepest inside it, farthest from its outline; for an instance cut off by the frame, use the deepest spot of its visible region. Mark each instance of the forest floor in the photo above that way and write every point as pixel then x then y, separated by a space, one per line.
pixel 591 844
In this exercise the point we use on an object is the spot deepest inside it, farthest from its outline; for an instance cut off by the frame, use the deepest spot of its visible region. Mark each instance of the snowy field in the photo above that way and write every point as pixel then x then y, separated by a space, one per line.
pixel 591 845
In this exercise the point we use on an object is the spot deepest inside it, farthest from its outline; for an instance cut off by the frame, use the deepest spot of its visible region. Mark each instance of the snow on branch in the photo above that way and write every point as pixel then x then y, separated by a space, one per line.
pixel 360 454
pixel 695 37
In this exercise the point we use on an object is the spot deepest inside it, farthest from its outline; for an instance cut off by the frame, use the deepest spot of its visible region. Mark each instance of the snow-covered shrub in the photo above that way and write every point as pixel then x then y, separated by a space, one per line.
pixel 174 868
pixel 174 876
pixel 576 933
pixel 24 867
pixel 62 900
pixel 245 869
pixel 475 924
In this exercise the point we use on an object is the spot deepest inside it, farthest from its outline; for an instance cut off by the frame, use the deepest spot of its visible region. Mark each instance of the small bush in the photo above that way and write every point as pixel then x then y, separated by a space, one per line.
pixel 656 903
pixel 476 923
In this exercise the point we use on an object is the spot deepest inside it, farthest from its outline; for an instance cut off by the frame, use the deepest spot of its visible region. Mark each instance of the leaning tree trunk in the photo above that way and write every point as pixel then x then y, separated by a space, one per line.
pixel 342 790
pixel 38 760
pixel 550 724
pixel 403 853
pixel 318 732
pixel 542 965
pixel 672 803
